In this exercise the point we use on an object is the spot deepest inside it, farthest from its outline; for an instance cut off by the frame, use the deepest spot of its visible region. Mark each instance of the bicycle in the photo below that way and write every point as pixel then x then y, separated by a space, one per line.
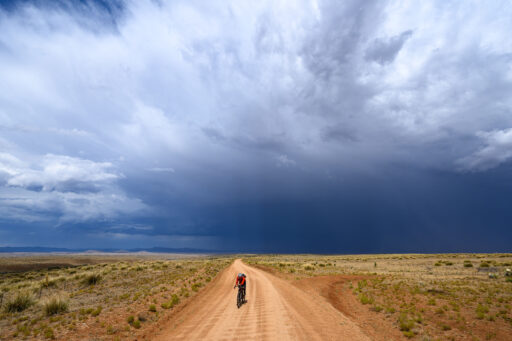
pixel 240 298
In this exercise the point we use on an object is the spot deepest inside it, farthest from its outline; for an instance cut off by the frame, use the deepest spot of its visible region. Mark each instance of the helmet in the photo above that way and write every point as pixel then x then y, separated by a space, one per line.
pixel 240 275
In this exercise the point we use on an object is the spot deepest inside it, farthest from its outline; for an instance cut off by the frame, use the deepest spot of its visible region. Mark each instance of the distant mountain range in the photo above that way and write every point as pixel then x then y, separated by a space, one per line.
pixel 37 249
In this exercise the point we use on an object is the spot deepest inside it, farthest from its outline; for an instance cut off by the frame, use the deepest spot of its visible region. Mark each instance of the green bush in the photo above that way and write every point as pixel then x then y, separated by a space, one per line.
pixel 390 310
pixel 409 334
pixel 152 308
pixel 48 333
pixel 365 299
pixel 481 310
pixel 405 323
pixel 174 301
pixel 377 308
pixel 22 301
pixel 97 311
pixel 55 305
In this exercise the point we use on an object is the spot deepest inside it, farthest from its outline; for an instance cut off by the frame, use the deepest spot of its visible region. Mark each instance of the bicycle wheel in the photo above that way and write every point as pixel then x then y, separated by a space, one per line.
pixel 239 298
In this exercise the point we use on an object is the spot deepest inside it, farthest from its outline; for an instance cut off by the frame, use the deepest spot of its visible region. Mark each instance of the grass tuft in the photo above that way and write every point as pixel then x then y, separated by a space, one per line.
pixel 92 279
pixel 20 302
pixel 55 305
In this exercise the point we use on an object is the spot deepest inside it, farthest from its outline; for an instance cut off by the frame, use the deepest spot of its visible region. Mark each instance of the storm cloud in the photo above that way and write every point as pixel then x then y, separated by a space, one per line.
pixel 309 126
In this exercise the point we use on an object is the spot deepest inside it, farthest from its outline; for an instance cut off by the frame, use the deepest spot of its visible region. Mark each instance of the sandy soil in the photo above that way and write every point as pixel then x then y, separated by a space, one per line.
pixel 275 310
pixel 378 326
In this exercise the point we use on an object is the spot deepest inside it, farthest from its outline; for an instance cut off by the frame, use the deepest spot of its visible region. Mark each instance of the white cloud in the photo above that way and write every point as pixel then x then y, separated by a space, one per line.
pixel 57 172
pixel 497 149
pixel 64 188
pixel 284 160
pixel 67 207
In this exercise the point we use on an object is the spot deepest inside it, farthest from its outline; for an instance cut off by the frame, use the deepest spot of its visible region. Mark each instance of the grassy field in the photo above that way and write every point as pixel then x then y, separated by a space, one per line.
pixel 96 296
pixel 118 297
pixel 425 297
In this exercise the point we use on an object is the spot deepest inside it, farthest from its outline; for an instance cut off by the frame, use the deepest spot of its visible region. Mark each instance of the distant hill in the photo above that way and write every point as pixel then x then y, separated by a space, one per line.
pixel 38 249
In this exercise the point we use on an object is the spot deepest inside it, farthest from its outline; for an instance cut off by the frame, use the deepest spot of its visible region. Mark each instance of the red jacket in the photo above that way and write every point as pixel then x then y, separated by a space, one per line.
pixel 240 280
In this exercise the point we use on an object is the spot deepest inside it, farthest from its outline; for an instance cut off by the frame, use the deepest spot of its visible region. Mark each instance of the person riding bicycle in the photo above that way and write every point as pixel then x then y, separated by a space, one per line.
pixel 241 282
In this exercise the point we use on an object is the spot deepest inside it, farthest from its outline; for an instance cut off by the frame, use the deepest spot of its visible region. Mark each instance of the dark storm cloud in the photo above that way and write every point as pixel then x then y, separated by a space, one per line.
pixel 293 126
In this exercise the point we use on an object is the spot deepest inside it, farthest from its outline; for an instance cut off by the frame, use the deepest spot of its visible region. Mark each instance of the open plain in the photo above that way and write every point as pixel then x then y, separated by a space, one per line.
pixel 289 297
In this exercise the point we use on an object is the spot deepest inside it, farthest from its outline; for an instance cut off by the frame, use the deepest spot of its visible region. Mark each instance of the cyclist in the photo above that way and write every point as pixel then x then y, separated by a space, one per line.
pixel 241 282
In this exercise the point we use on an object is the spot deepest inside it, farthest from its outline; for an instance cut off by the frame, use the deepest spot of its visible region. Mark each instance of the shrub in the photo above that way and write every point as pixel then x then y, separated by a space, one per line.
pixel 365 299
pixel 152 308
pixel 92 279
pixel 409 334
pixel 481 310
pixel 55 305
pixel 468 265
pixel 174 301
pixel 22 301
pixel 136 324
pixel 110 330
pixel 390 310
pixel 484 265
pixel 405 323
pixel 48 333
pixel 377 308
pixel 97 311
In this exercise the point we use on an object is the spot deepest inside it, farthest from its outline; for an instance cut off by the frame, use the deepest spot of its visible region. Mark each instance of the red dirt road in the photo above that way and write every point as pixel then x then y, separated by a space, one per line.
pixel 275 310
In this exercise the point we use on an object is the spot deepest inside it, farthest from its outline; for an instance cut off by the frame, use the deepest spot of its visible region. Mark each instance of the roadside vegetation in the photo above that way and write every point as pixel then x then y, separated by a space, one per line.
pixel 113 300
pixel 425 297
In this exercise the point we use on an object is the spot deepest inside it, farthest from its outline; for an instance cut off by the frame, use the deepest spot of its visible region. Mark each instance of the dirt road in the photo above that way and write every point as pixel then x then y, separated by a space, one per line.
pixel 275 310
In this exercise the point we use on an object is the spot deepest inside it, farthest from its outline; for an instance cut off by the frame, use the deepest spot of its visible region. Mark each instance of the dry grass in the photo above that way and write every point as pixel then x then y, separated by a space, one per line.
pixel 428 297
pixel 96 299
pixel 56 305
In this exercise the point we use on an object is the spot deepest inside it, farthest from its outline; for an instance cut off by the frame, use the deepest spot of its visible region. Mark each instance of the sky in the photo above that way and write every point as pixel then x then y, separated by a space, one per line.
pixel 258 126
